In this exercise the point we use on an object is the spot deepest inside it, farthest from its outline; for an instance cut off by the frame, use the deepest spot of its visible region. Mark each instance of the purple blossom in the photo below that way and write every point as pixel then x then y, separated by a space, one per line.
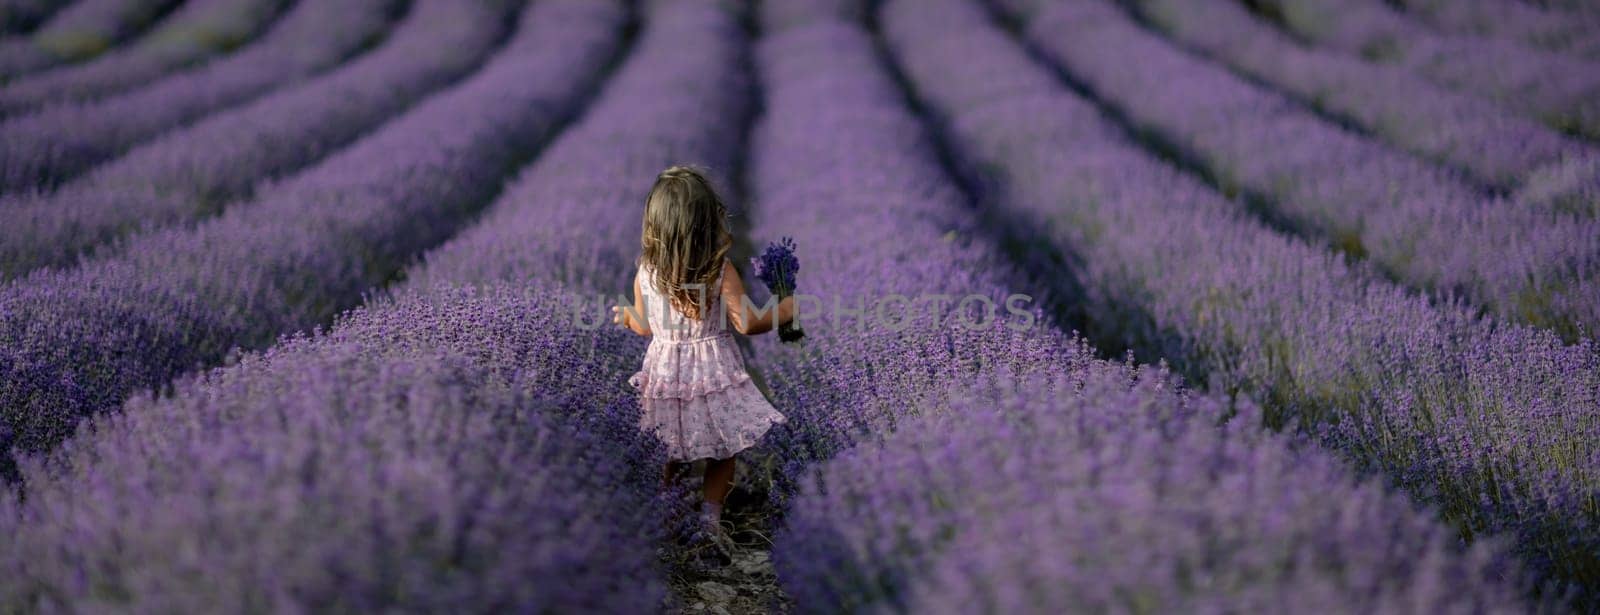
pixel 1560 90
pixel 777 266
pixel 1171 268
pixel 385 465
pixel 79 341
pixel 459 442
pixel 1452 128
pixel 80 30
pixel 1415 221
pixel 423 456
pixel 1113 490
pixel 1569 32
pixel 1573 186
pixel 885 464
pixel 194 32
pixel 194 172
pixel 17 16
pixel 54 144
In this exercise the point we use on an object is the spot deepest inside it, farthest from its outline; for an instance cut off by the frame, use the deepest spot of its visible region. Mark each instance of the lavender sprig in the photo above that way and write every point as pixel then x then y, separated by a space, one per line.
pixel 776 267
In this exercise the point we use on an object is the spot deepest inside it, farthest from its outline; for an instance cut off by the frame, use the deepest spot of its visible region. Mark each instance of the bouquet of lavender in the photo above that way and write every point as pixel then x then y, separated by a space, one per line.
pixel 776 268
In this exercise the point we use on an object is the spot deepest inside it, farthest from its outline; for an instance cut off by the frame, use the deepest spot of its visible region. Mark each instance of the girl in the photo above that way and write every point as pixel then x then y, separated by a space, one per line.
pixel 693 387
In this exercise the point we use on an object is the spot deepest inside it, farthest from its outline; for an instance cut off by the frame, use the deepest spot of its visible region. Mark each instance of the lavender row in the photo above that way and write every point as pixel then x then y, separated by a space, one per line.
pixel 1493 145
pixel 348 474
pixel 195 32
pixel 54 144
pixel 194 172
pixel 1489 423
pixel 77 342
pixel 1580 8
pixel 838 165
pixel 1572 186
pixel 842 165
pixel 78 32
pixel 569 219
pixel 1561 91
pixel 22 15
pixel 1111 493
pixel 466 492
pixel 1513 20
pixel 1416 222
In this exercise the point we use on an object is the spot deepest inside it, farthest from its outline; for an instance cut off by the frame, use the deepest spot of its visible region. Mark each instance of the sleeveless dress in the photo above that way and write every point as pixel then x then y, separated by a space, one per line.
pixel 695 393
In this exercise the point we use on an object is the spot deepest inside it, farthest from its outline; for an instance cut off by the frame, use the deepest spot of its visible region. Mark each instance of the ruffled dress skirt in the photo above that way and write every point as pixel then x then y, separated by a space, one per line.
pixel 699 400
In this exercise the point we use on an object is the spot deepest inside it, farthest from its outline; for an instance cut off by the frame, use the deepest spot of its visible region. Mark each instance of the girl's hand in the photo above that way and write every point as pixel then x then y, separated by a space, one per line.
pixel 633 317
pixel 623 317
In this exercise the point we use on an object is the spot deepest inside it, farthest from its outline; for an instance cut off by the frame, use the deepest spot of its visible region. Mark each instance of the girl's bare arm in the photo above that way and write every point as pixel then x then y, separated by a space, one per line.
pixel 626 317
pixel 746 317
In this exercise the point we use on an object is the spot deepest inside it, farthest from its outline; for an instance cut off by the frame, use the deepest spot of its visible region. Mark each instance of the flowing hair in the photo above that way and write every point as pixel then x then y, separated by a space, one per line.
pixel 685 238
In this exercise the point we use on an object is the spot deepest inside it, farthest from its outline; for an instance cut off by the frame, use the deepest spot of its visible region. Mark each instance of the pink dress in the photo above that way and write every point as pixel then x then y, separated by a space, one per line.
pixel 697 397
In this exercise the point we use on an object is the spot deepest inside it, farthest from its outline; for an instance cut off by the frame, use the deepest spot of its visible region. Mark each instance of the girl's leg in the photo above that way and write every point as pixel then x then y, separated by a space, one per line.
pixel 719 480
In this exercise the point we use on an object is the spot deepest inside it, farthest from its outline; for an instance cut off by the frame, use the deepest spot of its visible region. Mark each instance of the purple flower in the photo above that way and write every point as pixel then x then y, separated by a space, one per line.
pixel 409 457
pixel 77 32
pixel 777 266
pixel 250 150
pixel 59 142
pixel 77 341
pixel 905 494
pixel 194 32
pixel 1446 403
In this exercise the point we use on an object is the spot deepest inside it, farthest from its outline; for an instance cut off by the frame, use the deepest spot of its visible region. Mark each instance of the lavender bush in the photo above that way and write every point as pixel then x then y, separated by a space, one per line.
pixel 1576 35
pixel 77 342
pixel 195 32
pixel 842 164
pixel 51 145
pixel 1559 90
pixel 1496 147
pixel 464 441
pixel 22 15
pixel 196 171
pixel 382 467
pixel 81 30
pixel 1573 186
pixel 1418 392
pixel 838 164
pixel 1114 491
pixel 1577 8
pixel 1416 222
pixel 676 102
pixel 775 16
pixel 500 465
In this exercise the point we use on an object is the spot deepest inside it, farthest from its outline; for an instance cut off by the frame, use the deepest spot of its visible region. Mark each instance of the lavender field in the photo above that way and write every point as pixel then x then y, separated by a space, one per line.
pixel 1126 306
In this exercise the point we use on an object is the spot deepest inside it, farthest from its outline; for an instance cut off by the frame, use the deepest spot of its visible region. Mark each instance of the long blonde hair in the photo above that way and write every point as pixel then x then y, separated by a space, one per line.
pixel 685 238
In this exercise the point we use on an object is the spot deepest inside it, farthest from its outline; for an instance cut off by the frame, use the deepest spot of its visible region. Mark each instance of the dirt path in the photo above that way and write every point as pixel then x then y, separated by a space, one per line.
pixel 748 584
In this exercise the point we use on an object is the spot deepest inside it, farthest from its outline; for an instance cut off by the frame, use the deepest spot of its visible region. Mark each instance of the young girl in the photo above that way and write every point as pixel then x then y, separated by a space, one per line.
pixel 697 397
